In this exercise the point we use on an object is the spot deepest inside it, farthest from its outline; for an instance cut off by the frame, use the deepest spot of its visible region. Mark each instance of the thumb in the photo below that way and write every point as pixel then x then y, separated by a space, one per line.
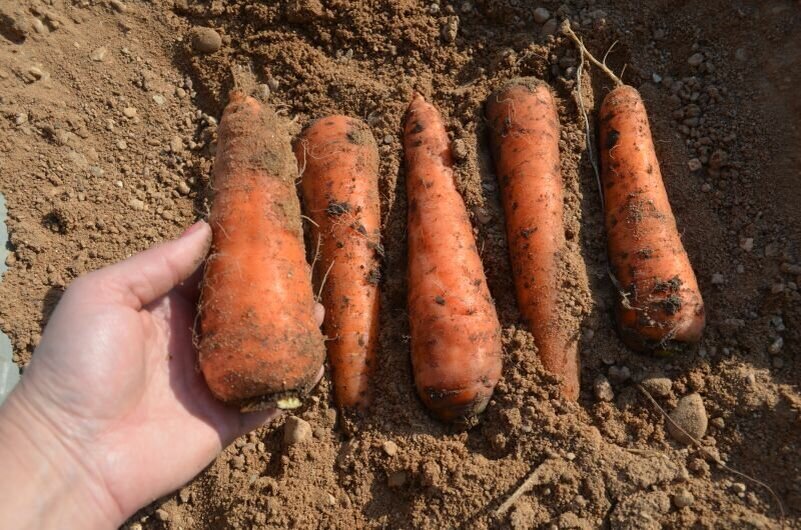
pixel 149 275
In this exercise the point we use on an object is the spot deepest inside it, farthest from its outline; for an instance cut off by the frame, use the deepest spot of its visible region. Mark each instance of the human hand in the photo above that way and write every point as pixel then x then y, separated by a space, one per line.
pixel 112 398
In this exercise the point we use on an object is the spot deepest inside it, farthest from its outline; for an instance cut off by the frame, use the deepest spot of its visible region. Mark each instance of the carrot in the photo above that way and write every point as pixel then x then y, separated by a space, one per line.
pixel 659 304
pixel 338 158
pixel 260 344
pixel 524 134
pixel 455 333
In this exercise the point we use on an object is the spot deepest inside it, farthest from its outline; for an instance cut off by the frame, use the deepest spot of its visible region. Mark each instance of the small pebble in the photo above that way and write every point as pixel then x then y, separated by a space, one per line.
pixel 390 448
pixel 738 487
pixel 656 77
pixel 690 415
pixel 263 91
pixel 541 15
pixel 695 59
pixel 776 346
pixel 658 386
pixel 747 244
pixel 482 215
pixel 36 72
pixel 136 204
pixel 176 144
pixel 99 54
pixel 162 515
pixel 388 139
pixel 459 149
pixel 683 498
pixel 118 6
pixel 129 112
pixel 122 145
pixel 718 279
pixel 184 495
pixel 694 164
pixel 272 83
pixel 38 26
pixel 296 430
pixel 205 40
pixel 718 422
pixel 603 389
pixel 183 188
pixel 159 99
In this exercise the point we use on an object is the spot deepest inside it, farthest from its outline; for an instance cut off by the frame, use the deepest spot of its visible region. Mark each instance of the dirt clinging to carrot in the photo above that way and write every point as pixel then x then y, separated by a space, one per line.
pixel 260 344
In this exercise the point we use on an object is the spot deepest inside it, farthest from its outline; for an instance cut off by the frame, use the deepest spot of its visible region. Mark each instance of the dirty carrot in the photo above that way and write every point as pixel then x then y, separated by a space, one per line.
pixel 260 344
pixel 524 134
pixel 660 306
pixel 338 158
pixel 455 334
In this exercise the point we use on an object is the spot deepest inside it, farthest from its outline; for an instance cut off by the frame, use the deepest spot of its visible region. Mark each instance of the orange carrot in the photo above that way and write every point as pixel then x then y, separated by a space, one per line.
pixel 524 133
pixel 338 158
pixel 455 333
pixel 660 305
pixel 260 343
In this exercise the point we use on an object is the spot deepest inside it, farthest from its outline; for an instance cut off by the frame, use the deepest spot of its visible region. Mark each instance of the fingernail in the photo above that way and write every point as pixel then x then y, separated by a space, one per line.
pixel 192 229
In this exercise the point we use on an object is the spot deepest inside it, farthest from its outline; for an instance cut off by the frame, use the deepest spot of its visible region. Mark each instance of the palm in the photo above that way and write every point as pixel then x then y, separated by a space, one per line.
pixel 120 380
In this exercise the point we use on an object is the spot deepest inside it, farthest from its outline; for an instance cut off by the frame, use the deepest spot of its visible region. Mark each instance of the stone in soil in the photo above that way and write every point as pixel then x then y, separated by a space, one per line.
pixel 296 430
pixel 690 415
pixel 603 389
pixel 658 386
pixel 541 15
pixel 205 40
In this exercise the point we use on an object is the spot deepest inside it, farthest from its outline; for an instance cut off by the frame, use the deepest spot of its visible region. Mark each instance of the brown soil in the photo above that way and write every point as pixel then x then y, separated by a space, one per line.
pixel 89 182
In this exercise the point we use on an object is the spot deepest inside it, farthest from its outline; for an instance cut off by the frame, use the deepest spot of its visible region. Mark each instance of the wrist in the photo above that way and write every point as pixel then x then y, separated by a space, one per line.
pixel 46 480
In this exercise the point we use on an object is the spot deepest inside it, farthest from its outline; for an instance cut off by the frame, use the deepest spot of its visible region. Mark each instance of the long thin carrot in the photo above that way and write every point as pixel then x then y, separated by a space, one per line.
pixel 260 343
pixel 659 304
pixel 524 133
pixel 455 333
pixel 338 158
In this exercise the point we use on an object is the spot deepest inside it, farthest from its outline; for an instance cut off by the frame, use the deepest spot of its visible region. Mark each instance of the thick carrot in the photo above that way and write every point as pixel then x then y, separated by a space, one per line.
pixel 455 333
pixel 338 158
pixel 524 134
pixel 260 343
pixel 660 305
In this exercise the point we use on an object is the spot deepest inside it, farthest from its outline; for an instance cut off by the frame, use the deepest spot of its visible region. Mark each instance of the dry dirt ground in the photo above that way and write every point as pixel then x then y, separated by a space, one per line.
pixel 107 130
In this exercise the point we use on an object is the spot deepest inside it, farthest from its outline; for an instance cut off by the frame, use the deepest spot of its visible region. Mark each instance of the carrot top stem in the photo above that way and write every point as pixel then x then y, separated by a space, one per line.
pixel 567 30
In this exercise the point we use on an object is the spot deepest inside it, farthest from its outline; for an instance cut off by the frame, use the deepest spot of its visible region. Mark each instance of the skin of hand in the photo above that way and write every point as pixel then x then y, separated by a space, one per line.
pixel 112 412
